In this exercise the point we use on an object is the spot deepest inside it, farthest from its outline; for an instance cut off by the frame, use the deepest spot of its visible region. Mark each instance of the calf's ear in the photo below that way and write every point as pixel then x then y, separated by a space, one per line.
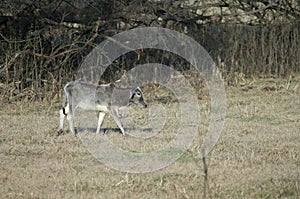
pixel 132 93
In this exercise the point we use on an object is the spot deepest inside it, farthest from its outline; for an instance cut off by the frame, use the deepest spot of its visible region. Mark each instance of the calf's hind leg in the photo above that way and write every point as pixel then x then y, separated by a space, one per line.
pixel 66 111
pixel 61 121
pixel 101 117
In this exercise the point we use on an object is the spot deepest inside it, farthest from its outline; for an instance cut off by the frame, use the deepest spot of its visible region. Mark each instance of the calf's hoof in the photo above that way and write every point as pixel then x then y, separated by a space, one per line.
pixel 59 132
pixel 75 132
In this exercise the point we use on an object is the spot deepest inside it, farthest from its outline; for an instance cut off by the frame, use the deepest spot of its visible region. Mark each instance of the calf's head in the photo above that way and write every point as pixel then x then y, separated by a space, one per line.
pixel 137 97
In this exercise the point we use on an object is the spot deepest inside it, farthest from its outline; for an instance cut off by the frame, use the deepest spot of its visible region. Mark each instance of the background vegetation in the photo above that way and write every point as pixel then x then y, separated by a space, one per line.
pixel 42 43
pixel 256 46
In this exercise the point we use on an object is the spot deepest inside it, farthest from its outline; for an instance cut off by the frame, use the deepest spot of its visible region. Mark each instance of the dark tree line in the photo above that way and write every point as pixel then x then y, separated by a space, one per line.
pixel 42 42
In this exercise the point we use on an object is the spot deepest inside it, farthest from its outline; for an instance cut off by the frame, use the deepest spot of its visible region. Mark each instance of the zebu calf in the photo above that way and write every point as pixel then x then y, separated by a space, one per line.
pixel 105 98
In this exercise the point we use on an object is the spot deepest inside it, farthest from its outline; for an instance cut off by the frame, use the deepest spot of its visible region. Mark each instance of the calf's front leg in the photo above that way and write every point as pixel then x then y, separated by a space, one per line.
pixel 114 113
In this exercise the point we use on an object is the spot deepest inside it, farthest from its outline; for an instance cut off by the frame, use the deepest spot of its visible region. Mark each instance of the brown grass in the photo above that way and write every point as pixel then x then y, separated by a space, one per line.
pixel 257 155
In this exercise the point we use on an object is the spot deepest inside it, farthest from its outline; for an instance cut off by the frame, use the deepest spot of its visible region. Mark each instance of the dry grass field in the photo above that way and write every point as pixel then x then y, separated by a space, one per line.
pixel 257 155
